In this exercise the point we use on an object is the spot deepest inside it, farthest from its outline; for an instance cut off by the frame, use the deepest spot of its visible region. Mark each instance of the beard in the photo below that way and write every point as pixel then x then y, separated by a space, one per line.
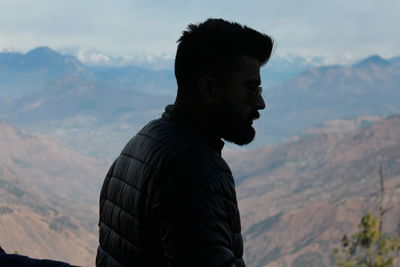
pixel 240 135
pixel 234 127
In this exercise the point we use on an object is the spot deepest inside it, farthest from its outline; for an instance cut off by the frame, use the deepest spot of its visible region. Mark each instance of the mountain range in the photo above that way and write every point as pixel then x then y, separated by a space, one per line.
pixel 96 109
pixel 327 128
pixel 86 108
pixel 279 69
pixel 370 87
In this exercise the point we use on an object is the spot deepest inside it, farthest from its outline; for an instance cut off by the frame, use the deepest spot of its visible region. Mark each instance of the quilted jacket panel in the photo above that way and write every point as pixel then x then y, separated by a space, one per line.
pixel 169 200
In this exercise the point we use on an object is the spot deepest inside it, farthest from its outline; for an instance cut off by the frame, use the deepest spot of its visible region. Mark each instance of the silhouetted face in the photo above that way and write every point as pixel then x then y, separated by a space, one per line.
pixel 239 103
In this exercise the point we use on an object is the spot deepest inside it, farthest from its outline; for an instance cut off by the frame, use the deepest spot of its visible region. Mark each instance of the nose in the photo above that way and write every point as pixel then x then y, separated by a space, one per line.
pixel 259 103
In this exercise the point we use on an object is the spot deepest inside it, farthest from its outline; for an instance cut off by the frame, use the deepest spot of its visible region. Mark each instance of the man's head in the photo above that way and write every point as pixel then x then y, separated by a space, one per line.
pixel 218 64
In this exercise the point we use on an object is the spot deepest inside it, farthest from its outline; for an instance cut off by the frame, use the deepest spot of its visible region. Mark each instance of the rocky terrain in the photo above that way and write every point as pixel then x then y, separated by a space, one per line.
pixel 53 169
pixel 48 198
pixel 299 198
pixel 47 227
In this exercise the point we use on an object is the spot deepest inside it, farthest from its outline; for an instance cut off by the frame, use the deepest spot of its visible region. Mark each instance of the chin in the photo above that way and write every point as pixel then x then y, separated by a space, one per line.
pixel 242 136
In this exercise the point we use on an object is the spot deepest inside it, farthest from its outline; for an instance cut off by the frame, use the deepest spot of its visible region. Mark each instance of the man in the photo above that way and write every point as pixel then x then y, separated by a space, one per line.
pixel 169 198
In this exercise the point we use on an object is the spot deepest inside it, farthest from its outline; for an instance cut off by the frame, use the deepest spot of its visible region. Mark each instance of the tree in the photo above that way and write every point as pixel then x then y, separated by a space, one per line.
pixel 370 246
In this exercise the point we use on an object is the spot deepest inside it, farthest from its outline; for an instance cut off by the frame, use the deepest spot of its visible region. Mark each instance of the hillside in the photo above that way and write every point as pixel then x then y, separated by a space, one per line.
pixel 42 162
pixel 297 199
pixel 39 226
pixel 48 198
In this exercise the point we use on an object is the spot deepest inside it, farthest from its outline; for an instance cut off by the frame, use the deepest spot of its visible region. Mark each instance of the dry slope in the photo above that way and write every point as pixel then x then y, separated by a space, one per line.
pixel 297 199
pixel 39 226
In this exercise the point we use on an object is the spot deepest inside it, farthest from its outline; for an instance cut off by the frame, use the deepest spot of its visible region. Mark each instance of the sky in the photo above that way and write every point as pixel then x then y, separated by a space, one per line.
pixel 126 28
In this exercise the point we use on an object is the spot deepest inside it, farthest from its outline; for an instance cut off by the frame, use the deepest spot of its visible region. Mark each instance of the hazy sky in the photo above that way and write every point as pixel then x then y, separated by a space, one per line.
pixel 131 27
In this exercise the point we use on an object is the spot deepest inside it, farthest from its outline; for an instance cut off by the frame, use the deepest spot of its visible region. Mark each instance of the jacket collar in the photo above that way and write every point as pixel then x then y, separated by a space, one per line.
pixel 172 112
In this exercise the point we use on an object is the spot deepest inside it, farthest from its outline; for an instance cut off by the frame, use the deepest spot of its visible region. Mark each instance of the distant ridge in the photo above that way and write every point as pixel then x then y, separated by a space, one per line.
pixel 44 52
pixel 82 106
pixel 328 93
pixel 38 57
pixel 395 59
pixel 373 60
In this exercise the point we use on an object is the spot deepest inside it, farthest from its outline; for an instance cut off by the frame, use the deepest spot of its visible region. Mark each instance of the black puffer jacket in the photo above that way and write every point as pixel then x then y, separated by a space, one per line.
pixel 169 200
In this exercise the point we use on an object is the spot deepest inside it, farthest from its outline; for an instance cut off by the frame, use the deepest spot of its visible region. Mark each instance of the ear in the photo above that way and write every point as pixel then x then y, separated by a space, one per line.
pixel 208 89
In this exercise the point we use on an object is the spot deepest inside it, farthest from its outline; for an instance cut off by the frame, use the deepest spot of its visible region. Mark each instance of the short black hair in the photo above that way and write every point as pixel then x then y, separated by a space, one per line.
pixel 214 47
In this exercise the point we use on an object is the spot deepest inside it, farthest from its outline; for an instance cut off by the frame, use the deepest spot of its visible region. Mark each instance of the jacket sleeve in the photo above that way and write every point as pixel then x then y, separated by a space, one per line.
pixel 15 260
pixel 193 217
